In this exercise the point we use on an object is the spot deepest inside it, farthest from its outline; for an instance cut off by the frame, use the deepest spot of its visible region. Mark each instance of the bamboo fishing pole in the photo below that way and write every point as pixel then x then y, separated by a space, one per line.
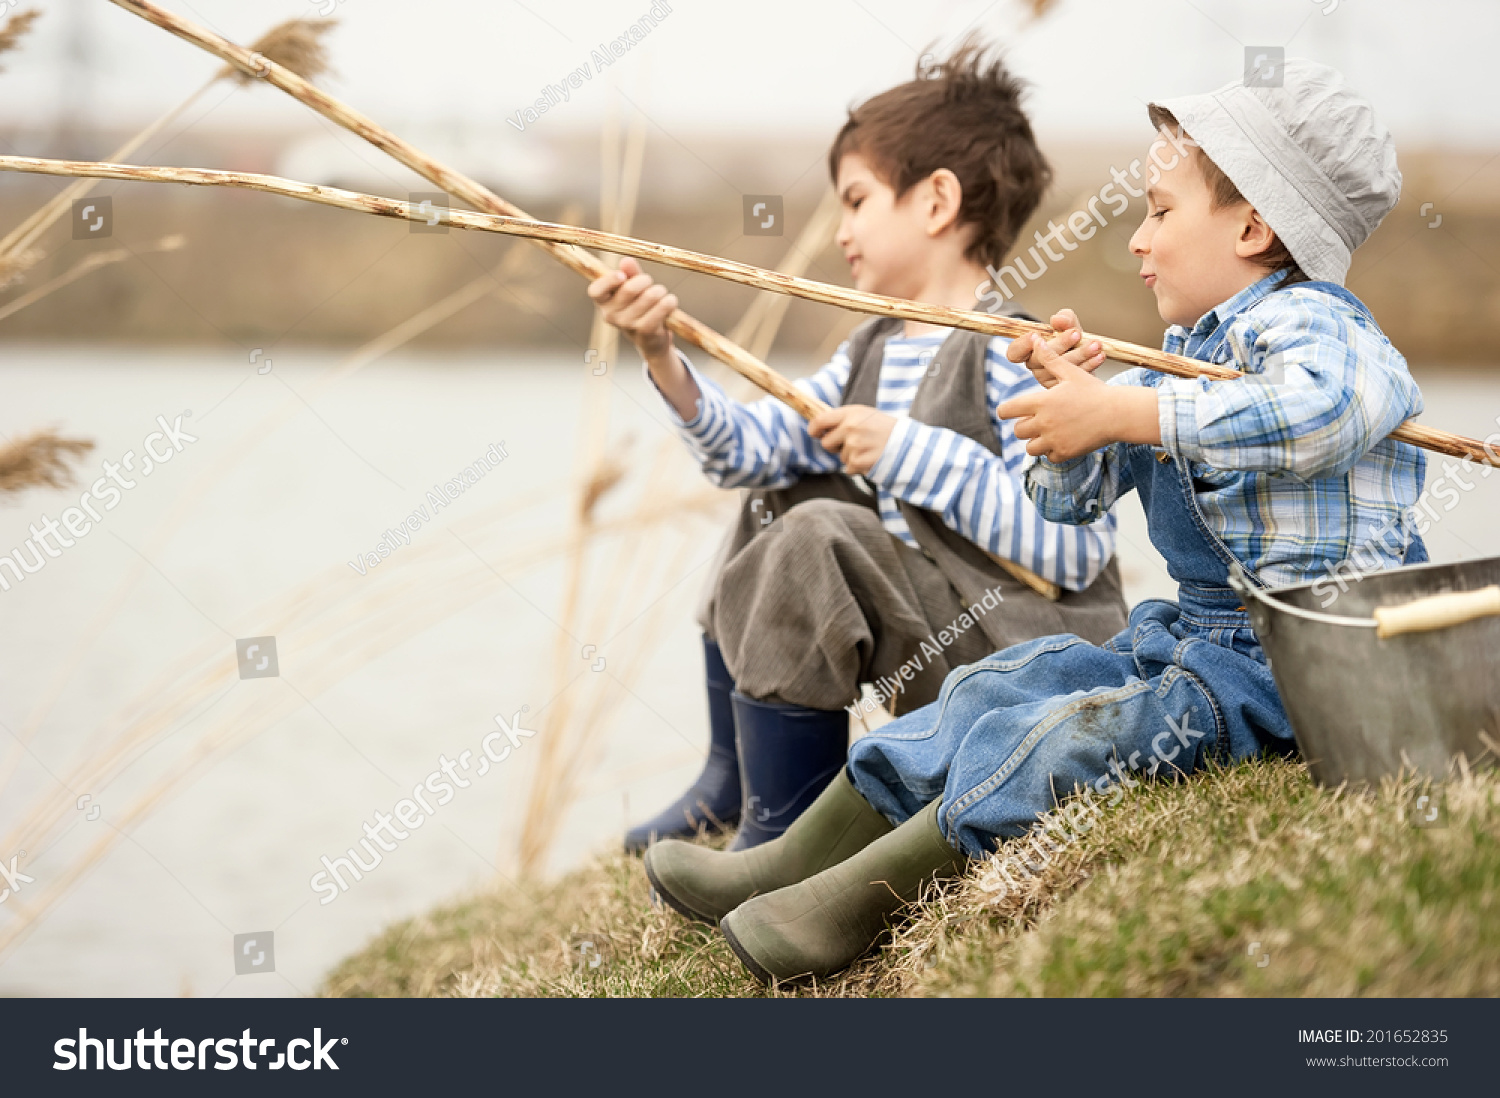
pixel 1430 438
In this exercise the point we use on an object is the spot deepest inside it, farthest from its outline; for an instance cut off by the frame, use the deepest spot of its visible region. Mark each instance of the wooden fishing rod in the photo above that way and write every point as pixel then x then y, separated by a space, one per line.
pixel 569 236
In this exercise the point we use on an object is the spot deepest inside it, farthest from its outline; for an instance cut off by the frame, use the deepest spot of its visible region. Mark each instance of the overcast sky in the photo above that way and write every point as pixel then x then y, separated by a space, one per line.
pixel 768 65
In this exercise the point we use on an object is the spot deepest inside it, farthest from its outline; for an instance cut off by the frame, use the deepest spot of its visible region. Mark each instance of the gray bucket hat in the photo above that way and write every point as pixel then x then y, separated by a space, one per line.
pixel 1310 156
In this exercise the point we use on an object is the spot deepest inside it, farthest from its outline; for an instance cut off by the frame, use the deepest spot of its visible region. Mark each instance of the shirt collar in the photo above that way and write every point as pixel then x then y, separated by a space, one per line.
pixel 1211 321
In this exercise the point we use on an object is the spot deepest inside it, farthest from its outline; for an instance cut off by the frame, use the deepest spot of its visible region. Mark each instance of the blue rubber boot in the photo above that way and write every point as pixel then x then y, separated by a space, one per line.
pixel 788 755
pixel 714 799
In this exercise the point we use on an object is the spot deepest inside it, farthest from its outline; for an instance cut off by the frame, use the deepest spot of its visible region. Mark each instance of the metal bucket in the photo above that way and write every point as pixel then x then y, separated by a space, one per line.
pixel 1388 676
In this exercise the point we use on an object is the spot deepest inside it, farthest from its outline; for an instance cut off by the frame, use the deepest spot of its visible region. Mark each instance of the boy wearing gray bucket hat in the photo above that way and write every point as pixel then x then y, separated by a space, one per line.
pixel 1246 243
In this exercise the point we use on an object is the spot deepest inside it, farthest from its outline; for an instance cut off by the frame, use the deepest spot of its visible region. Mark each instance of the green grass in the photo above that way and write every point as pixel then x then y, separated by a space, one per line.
pixel 1163 896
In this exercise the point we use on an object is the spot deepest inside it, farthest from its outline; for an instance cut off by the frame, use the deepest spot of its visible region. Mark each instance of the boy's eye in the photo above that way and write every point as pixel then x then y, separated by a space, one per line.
pixel 1159 214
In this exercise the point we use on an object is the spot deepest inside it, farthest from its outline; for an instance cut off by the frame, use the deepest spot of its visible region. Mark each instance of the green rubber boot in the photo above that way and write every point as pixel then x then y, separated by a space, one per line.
pixel 708 884
pixel 828 921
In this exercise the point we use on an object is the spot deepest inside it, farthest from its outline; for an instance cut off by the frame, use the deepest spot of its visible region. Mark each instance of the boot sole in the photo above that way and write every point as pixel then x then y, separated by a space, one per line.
pixel 673 902
pixel 745 959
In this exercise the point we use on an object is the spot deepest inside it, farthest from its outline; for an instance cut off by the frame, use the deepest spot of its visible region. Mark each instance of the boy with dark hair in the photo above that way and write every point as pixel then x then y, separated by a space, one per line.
pixel 824 585
pixel 1245 244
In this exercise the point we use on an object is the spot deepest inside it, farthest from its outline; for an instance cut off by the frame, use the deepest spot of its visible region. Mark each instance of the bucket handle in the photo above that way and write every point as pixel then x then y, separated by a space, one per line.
pixel 1437 611
pixel 1419 616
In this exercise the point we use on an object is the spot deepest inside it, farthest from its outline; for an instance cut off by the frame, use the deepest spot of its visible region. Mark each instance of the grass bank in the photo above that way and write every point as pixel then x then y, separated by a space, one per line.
pixel 1243 881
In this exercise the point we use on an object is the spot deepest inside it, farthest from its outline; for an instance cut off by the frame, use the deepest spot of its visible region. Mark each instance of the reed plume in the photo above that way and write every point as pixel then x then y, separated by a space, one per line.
pixel 296 44
pixel 16 28
pixel 41 458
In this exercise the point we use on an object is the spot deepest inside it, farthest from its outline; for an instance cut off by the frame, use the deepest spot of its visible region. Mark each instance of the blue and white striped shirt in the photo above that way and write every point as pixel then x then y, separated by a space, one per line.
pixel 1296 454
pixel 978 494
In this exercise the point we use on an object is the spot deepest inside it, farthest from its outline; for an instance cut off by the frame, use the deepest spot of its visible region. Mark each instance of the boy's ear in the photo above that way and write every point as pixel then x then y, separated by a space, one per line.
pixel 945 198
pixel 1255 235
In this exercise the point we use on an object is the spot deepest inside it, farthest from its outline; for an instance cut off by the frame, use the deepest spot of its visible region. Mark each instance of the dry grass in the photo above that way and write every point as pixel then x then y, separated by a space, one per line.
pixel 1164 897
pixel 41 458
pixel 1343 894
pixel 595 933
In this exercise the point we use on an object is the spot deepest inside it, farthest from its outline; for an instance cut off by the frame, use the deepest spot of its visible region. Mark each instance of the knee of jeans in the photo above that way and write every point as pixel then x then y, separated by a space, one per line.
pixel 1191 718
pixel 969 837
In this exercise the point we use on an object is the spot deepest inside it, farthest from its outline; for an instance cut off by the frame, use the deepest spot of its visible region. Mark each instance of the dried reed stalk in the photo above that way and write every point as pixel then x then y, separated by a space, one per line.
pixel 86 266
pixel 297 44
pixel 593 696
pixel 1429 438
pixel 598 471
pixel 612 688
pixel 42 458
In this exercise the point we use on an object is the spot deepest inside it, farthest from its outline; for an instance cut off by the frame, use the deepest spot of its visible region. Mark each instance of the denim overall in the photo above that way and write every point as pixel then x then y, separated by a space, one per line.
pixel 1011 736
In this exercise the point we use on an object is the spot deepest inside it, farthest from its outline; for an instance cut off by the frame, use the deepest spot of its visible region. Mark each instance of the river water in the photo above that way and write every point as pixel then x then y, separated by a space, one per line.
pixel 139 896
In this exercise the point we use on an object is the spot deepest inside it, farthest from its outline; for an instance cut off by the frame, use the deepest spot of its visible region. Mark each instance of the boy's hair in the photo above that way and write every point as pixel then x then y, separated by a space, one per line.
pixel 1275 258
pixel 965 115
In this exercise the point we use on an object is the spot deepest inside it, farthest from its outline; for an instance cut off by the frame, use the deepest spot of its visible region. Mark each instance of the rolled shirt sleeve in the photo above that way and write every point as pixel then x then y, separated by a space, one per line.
pixel 760 444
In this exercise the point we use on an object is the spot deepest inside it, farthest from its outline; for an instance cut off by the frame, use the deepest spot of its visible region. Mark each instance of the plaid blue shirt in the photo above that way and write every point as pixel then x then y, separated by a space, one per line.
pixel 1296 453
